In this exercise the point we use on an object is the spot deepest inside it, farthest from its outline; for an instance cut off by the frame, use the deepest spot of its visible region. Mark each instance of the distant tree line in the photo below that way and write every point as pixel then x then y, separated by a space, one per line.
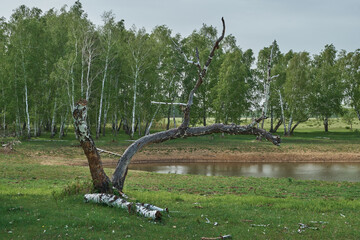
pixel 51 60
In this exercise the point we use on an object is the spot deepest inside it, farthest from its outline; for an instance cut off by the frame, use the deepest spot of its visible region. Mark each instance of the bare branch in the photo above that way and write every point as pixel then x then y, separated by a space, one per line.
pixel 171 103
pixel 119 174
pixel 202 73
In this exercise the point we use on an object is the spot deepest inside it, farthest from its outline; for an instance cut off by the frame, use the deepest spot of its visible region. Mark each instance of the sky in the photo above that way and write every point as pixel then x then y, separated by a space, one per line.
pixel 300 25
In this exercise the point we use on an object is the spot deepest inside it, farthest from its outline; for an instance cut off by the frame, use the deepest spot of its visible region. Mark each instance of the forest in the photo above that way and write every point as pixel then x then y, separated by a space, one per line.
pixel 51 60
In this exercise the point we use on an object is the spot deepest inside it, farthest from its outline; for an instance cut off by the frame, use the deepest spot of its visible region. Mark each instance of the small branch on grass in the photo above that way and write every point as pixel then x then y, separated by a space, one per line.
pixel 8 147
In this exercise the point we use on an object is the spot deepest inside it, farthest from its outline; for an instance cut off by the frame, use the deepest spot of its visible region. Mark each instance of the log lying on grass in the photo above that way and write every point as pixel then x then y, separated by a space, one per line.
pixel 145 210
pixel 217 238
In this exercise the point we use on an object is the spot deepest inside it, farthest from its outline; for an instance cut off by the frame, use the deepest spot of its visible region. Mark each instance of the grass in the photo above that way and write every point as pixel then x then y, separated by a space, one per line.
pixel 43 201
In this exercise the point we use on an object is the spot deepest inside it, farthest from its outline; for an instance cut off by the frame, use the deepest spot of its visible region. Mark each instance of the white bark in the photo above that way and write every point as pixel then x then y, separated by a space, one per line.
pixel 171 103
pixel 26 96
pixel 282 111
pixel 146 210
pixel 174 116
pixel 152 119
pixel 289 125
pixel 134 100
pixel 53 120
pixel 27 111
pixel 103 85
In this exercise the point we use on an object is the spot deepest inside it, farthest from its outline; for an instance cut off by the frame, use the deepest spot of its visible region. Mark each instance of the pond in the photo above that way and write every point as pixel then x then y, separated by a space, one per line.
pixel 306 171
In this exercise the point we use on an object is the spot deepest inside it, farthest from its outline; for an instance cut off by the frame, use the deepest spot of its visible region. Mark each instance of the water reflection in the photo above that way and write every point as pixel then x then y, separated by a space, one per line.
pixel 306 171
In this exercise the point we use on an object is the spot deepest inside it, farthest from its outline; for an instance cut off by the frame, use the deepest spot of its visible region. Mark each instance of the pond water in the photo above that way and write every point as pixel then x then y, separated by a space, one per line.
pixel 305 171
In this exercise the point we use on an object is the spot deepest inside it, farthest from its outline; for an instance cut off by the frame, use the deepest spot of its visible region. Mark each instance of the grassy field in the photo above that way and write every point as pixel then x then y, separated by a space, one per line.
pixel 41 194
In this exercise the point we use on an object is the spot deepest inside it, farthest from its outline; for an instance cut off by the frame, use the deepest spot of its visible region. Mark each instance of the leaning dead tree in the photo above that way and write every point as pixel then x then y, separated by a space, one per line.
pixel 102 182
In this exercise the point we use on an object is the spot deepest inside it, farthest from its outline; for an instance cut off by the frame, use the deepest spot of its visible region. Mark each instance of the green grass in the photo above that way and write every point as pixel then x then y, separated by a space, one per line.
pixel 34 205
pixel 46 201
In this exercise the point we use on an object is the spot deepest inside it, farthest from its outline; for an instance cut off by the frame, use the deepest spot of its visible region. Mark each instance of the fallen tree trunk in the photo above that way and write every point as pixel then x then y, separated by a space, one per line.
pixel 145 210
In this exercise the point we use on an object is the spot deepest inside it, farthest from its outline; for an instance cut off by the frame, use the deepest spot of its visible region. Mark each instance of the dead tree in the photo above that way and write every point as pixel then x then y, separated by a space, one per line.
pixel 182 131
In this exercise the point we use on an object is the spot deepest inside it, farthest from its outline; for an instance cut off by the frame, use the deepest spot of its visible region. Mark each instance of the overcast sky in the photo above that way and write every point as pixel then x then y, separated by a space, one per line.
pixel 295 24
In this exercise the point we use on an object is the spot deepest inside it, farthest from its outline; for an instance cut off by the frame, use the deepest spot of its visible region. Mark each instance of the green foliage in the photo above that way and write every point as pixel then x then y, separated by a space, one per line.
pixel 51 60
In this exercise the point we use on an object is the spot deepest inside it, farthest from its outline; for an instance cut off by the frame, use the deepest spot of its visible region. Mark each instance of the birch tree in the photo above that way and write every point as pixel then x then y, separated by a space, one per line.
pixel 349 64
pixel 297 90
pixel 139 51
pixel 327 88
pixel 102 182
pixel 108 46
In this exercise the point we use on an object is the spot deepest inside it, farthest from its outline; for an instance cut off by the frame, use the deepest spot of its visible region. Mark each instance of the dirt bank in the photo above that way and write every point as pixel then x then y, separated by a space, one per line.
pixel 207 156
pixel 227 157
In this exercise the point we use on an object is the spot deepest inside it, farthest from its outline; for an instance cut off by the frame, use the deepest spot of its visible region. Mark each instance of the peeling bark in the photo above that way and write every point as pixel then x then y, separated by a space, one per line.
pixel 100 179
pixel 145 210
pixel 282 111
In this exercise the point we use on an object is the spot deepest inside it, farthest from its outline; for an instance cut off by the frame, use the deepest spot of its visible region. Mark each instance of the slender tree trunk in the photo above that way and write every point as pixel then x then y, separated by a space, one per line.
pixel 278 124
pixel 27 112
pixel 152 119
pixel 271 120
pixel 168 118
pixel 358 114
pixel 174 116
pixel 99 177
pixel 62 126
pixel 4 121
pixel 35 122
pixel 53 120
pixel 82 72
pixel 289 126
pixel 106 110
pixel 88 84
pixel 293 128
pixel 102 91
pixel 139 126
pixel 326 124
pixel 134 102
pixel 282 112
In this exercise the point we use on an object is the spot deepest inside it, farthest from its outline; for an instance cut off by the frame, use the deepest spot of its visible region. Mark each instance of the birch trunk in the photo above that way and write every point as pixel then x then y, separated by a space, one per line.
pixel 27 112
pixel 53 120
pixel 152 119
pixel 134 101
pixel 145 210
pixel 4 121
pixel 326 124
pixel 26 97
pixel 100 179
pixel 174 119
pixel 88 84
pixel 293 128
pixel 278 124
pixel 357 113
pixel 102 89
pixel 289 126
pixel 282 111
pixel 106 110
